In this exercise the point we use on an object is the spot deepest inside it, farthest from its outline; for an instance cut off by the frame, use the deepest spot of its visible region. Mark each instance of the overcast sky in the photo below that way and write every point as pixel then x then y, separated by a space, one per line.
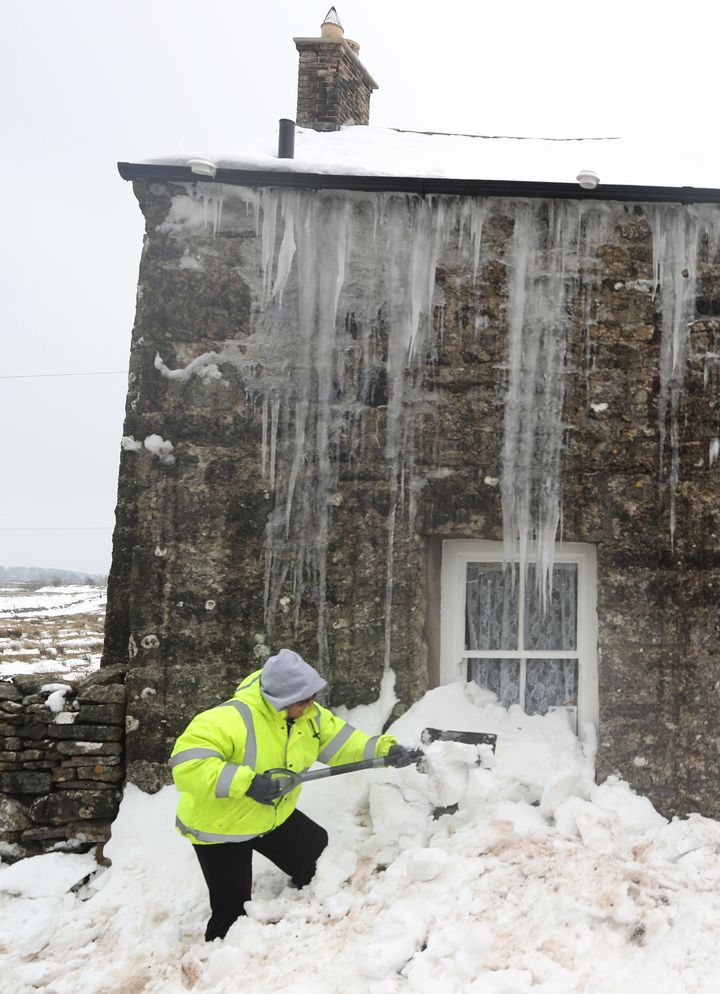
pixel 87 83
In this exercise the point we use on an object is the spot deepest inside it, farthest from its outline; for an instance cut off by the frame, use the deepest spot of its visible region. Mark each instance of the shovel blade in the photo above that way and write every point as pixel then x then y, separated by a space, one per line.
pixel 430 735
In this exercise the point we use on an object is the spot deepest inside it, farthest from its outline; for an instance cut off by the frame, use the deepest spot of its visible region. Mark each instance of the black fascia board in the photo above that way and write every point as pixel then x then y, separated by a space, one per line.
pixel 423 185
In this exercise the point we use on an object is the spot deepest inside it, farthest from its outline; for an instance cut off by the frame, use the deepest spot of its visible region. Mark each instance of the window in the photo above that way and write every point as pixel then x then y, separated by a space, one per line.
pixel 496 630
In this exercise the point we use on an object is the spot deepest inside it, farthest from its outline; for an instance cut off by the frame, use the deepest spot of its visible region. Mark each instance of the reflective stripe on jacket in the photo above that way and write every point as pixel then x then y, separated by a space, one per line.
pixel 215 759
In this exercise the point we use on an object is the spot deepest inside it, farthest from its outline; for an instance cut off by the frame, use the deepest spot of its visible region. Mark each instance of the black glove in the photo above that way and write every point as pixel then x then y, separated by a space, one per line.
pixel 398 756
pixel 263 789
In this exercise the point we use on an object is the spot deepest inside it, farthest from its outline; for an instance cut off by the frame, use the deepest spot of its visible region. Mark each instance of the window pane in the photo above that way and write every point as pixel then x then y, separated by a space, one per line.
pixel 550 683
pixel 502 676
pixel 554 627
pixel 491 607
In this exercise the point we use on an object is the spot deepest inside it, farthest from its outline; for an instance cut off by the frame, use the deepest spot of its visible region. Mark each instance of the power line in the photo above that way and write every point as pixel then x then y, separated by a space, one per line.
pixel 60 528
pixel 39 376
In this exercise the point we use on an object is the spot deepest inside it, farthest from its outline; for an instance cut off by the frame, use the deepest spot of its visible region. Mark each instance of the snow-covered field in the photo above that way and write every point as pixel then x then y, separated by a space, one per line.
pixel 541 882
pixel 51 629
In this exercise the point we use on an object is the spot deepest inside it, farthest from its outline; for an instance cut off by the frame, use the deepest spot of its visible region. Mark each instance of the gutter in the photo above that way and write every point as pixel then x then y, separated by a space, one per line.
pixel 422 185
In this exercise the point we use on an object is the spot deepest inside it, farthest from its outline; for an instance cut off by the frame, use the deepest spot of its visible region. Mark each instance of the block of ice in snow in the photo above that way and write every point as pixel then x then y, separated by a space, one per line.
pixel 448 765
pixel 680 837
pixel 335 866
pixel 48 875
pixel 420 863
pixel 635 813
pixel 557 790
pixel 398 933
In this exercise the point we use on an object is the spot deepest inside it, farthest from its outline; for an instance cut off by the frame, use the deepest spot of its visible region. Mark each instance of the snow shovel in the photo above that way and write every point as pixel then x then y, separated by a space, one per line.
pixel 289 780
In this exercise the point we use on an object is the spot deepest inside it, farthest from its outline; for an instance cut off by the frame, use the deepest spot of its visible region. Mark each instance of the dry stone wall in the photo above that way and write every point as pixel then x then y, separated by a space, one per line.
pixel 61 762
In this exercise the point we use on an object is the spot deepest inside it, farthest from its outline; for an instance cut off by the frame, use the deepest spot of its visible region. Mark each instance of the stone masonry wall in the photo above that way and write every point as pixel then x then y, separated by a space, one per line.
pixel 333 86
pixel 202 587
pixel 61 771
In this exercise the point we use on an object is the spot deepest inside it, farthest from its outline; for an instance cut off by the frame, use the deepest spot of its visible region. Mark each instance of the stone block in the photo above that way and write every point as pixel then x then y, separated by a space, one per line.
pixel 75 805
pixel 8 692
pixel 26 782
pixel 150 777
pixel 32 730
pixel 30 699
pixel 14 815
pixel 29 684
pixel 31 755
pixel 89 748
pixel 101 773
pixel 63 774
pixel 85 785
pixel 86 760
pixel 89 831
pixel 97 733
pixel 10 722
pixel 40 709
pixel 103 677
pixel 10 707
pixel 102 714
pixel 12 744
pixel 43 834
pixel 113 693
pixel 11 850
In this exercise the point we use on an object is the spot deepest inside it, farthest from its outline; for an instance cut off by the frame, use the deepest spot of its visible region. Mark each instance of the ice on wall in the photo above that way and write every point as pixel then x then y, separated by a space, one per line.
pixel 677 237
pixel 552 245
pixel 347 312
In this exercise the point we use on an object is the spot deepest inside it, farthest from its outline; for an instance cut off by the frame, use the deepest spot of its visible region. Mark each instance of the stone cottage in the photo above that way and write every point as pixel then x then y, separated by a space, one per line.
pixel 427 408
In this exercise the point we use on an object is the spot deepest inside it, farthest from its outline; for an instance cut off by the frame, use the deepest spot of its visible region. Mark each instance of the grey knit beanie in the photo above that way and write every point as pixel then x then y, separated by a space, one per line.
pixel 287 679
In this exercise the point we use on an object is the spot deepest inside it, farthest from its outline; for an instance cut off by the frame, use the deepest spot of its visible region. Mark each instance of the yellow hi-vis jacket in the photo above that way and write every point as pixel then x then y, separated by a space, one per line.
pixel 215 759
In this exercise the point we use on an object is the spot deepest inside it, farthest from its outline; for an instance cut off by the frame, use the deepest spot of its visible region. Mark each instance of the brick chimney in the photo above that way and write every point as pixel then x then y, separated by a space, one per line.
pixel 334 88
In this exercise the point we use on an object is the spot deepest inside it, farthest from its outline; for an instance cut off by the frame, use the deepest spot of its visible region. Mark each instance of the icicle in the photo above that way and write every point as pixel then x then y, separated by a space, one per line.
pixel 477 220
pixel 287 249
pixel 389 584
pixel 274 415
pixel 269 206
pixel 714 451
pixel 675 233
pixel 213 209
pixel 264 442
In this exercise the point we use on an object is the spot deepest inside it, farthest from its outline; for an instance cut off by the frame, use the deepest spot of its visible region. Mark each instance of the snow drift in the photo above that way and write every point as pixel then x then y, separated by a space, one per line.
pixel 541 881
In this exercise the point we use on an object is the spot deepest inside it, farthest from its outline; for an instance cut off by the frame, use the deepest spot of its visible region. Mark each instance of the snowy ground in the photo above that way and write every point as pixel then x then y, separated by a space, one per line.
pixel 541 882
pixel 51 629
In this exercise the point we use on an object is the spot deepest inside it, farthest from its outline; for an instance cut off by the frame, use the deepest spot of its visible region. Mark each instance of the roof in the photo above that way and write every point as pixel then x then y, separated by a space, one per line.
pixel 380 158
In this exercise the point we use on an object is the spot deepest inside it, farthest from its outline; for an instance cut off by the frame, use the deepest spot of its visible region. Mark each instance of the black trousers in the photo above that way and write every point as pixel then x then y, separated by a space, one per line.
pixel 294 847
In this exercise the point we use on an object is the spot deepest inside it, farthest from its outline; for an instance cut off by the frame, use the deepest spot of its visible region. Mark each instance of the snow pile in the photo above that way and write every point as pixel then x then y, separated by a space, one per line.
pixel 57 694
pixel 540 882
pixel 370 151
pixel 160 447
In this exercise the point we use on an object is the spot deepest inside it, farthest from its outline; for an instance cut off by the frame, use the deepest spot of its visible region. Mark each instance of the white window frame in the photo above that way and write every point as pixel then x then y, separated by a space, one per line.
pixel 456 554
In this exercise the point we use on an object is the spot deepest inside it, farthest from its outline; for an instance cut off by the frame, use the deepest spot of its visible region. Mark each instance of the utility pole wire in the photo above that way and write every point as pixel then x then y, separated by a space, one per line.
pixel 60 528
pixel 39 376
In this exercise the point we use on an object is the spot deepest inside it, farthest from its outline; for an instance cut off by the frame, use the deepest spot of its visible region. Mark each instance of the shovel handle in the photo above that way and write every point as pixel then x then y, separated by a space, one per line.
pixel 289 780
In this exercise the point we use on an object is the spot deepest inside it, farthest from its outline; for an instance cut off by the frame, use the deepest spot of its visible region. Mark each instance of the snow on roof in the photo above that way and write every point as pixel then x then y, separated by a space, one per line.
pixel 368 151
